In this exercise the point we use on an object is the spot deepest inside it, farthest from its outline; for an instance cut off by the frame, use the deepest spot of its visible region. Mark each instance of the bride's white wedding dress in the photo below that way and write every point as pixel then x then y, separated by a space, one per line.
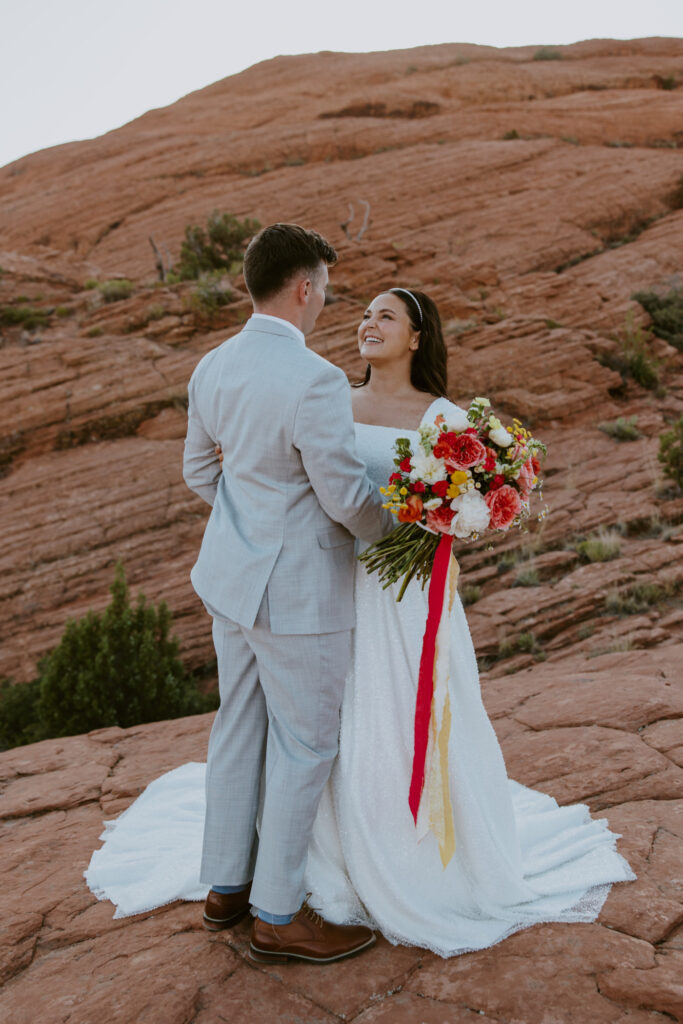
pixel 520 858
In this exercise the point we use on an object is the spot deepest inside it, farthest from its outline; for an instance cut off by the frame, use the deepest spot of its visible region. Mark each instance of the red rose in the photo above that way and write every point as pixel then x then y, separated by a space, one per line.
pixel 536 465
pixel 418 487
pixel 440 519
pixel 471 430
pixel 440 488
pixel 497 482
pixel 504 504
pixel 405 466
pixel 460 451
pixel 395 478
pixel 413 512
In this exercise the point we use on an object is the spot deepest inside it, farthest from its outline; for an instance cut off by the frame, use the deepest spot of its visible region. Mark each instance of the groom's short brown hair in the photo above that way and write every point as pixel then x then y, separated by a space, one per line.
pixel 280 251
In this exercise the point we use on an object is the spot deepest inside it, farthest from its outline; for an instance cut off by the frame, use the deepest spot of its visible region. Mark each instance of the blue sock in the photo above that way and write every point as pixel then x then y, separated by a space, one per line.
pixel 225 889
pixel 274 918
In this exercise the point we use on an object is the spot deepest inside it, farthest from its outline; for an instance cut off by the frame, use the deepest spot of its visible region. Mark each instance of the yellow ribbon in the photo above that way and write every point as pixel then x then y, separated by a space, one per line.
pixel 436 810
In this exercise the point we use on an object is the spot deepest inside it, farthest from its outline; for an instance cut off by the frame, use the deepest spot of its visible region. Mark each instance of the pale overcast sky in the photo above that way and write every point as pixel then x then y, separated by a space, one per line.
pixel 73 69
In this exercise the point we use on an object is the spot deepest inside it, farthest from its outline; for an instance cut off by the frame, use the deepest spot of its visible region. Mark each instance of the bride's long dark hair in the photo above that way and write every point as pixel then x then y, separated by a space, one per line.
pixel 428 368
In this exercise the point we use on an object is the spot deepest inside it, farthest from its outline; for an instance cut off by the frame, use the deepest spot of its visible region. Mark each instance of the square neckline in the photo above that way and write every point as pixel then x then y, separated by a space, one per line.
pixel 411 430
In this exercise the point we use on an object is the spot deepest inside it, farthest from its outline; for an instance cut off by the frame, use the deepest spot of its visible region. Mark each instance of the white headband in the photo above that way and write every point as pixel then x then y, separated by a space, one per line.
pixel 405 290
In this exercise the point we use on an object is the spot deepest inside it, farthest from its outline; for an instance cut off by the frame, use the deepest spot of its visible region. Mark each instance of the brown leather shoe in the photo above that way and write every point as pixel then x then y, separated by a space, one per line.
pixel 223 910
pixel 307 937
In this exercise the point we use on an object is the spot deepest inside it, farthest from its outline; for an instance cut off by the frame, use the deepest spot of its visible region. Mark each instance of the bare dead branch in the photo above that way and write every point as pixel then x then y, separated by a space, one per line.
pixel 346 224
pixel 158 259
pixel 366 219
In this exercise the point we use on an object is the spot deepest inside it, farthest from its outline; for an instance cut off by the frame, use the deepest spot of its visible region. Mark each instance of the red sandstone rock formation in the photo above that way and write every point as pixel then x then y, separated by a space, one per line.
pixel 531 198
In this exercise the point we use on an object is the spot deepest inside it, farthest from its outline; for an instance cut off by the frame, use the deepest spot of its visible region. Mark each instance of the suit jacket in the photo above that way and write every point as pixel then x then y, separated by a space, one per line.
pixel 293 492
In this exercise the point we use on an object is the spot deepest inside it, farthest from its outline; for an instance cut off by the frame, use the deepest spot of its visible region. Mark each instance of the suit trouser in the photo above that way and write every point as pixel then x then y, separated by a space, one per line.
pixel 280 698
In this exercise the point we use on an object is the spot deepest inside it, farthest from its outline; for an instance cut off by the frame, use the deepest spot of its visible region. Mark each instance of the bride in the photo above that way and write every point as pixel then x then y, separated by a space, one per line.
pixel 519 858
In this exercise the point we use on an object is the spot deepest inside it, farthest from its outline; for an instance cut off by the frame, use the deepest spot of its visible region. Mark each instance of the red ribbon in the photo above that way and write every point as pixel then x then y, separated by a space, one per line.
pixel 425 684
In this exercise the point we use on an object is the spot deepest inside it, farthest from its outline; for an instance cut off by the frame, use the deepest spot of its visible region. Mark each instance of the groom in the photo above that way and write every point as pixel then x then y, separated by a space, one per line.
pixel 275 571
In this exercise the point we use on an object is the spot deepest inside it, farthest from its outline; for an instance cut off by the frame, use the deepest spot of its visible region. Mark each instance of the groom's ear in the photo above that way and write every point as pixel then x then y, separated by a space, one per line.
pixel 303 289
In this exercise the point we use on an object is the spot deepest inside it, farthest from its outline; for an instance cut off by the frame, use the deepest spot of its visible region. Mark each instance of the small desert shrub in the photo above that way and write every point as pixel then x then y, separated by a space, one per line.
pixel 522 643
pixel 506 561
pixel 209 296
pixel 666 312
pixel 622 429
pixel 671 452
pixel 115 290
pixel 642 365
pixel 94 332
pixel 91 283
pixel 667 82
pixel 218 247
pixel 155 312
pixel 623 643
pixel 470 594
pixel 118 668
pixel 600 547
pixel 585 631
pixel 526 576
pixel 546 53
pixel 512 134
pixel 635 599
pixel 634 358
pixel 22 316
pixel 63 311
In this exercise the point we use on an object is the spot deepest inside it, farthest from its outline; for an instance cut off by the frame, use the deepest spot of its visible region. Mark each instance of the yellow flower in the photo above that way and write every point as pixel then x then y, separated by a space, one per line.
pixel 403 491
pixel 390 490
pixel 459 477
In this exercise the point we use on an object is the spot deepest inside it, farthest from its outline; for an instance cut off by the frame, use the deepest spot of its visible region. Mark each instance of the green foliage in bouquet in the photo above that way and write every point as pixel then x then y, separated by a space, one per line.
pixel 118 668
pixel 218 247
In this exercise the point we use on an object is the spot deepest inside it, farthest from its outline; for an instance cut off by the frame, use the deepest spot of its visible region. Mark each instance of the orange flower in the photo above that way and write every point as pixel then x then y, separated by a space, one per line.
pixel 413 510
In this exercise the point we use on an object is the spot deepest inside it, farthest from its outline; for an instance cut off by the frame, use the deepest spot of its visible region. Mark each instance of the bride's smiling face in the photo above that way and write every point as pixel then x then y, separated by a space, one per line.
pixel 385 332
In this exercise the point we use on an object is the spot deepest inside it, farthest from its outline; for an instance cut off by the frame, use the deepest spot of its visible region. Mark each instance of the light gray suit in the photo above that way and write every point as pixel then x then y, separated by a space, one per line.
pixel 276 571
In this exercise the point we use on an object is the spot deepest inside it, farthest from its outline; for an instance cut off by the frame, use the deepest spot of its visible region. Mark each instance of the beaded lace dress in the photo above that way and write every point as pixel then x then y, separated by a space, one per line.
pixel 520 858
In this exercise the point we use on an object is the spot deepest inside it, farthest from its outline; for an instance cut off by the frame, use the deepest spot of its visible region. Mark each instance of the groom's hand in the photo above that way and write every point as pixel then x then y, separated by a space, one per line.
pixel 219 452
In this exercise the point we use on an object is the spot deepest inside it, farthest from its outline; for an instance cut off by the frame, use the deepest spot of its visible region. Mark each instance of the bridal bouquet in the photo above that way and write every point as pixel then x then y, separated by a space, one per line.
pixel 468 474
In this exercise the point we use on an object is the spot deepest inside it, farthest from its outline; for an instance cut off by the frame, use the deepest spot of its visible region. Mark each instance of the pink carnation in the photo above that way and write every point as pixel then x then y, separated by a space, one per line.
pixel 504 504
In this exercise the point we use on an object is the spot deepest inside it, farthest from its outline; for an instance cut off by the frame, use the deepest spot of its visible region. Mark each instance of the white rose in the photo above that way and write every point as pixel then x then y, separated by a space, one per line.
pixel 433 503
pixel 427 468
pixel 499 435
pixel 472 514
pixel 456 420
